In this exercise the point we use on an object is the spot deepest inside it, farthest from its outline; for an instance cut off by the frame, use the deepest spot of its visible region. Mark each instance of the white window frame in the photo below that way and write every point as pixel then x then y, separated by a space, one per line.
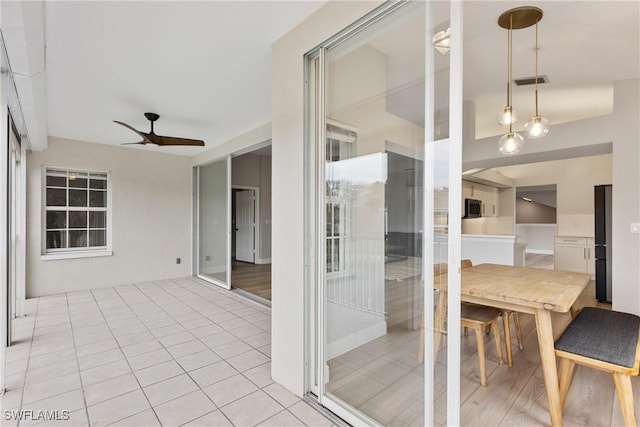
pixel 75 252
pixel 346 136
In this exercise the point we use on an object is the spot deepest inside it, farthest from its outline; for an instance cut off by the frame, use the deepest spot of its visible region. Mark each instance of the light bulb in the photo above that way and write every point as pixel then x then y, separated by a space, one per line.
pixel 507 116
pixel 510 143
pixel 537 127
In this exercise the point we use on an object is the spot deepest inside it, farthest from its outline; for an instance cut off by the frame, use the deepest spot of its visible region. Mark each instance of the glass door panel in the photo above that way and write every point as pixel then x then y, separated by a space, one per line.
pixel 214 212
pixel 372 216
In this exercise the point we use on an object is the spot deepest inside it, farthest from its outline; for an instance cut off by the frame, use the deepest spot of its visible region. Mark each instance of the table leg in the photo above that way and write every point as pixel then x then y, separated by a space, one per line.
pixel 549 368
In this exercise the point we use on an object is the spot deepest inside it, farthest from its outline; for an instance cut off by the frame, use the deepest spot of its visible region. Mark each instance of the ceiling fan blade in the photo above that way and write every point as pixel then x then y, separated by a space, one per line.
pixel 144 136
pixel 170 140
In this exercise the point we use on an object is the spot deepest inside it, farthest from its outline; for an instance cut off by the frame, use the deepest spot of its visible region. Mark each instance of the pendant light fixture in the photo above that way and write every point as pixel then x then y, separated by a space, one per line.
pixel 514 19
pixel 538 126
pixel 509 115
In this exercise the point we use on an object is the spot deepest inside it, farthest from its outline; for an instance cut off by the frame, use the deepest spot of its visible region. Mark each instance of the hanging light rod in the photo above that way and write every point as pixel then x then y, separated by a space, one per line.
pixel 520 17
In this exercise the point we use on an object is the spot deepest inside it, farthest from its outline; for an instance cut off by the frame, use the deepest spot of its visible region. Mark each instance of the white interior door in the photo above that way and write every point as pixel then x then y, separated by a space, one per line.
pixel 245 225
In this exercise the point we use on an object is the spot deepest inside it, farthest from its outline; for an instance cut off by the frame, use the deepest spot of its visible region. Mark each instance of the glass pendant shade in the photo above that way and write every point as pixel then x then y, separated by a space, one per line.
pixel 510 143
pixel 537 127
pixel 507 116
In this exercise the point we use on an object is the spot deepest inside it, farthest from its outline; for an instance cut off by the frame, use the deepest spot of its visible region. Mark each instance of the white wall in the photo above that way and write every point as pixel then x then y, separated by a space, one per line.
pixel 538 237
pixel 626 197
pixel 288 271
pixel 574 179
pixel 151 218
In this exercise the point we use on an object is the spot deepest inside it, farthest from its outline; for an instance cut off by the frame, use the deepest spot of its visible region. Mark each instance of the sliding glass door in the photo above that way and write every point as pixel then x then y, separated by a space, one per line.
pixel 383 185
pixel 213 222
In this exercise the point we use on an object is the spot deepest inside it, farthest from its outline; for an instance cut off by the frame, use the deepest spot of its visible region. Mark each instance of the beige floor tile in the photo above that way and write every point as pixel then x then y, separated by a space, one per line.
pixel 198 322
pixel 186 348
pixel 97 347
pixel 101 373
pixel 50 358
pixel 110 388
pixel 281 395
pixel 233 323
pixel 69 401
pixel 179 338
pixel 76 418
pixel 246 331
pixel 143 419
pixel 46 389
pixel 212 373
pixel 14 381
pixel 260 375
pixel 92 338
pixel 265 349
pixel 141 348
pixel 259 340
pixel 282 419
pixel 184 409
pixel 205 331
pixel 252 409
pixel 218 339
pixel 198 360
pixel 308 415
pixel 157 373
pixel 171 388
pixel 230 389
pixel 55 370
pixel 151 358
pixel 231 349
pixel 118 408
pixel 12 399
pixel 215 418
pixel 247 360
pixel 166 330
pixel 99 359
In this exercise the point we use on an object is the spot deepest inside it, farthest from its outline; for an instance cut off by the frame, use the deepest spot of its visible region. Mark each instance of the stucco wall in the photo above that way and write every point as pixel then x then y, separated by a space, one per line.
pixel 151 218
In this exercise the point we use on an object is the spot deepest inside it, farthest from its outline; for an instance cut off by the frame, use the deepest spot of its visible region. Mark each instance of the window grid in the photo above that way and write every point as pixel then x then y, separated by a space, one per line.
pixel 340 145
pixel 75 210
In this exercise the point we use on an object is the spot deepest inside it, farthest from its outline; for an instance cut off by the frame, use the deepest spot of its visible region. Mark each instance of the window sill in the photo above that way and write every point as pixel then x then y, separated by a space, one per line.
pixel 79 254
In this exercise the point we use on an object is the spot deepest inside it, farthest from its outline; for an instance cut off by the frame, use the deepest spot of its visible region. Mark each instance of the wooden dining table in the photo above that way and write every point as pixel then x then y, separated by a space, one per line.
pixel 527 290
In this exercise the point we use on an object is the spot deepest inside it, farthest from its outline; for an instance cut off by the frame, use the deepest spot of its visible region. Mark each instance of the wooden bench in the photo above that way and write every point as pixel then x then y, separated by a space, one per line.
pixel 605 340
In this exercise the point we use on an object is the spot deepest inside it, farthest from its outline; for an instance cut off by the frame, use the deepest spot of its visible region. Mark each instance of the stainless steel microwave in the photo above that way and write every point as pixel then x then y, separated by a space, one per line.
pixel 472 208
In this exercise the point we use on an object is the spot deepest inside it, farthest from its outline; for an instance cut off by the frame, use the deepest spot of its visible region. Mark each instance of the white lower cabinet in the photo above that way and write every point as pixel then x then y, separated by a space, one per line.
pixel 574 254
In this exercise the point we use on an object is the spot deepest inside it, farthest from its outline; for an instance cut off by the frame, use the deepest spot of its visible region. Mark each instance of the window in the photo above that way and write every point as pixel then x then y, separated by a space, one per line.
pixel 336 236
pixel 76 215
pixel 340 145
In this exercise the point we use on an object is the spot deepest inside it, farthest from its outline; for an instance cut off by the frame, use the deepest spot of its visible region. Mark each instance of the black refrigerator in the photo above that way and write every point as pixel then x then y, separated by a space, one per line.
pixel 602 197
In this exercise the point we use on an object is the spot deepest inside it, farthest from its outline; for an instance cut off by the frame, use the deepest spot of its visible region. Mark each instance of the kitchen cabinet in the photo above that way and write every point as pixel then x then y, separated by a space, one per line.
pixel 574 253
pixel 486 194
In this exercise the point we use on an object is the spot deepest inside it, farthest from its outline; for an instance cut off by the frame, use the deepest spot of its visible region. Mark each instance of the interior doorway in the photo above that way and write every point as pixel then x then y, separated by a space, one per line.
pixel 251 223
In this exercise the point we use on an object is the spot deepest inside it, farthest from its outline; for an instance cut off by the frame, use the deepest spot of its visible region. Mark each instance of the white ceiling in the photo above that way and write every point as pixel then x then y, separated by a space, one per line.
pixel 205 66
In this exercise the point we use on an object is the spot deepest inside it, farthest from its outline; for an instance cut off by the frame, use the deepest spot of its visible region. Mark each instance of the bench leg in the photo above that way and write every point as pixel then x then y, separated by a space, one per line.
pixel 567 368
pixel 496 338
pixel 516 320
pixel 507 336
pixel 481 359
pixel 625 395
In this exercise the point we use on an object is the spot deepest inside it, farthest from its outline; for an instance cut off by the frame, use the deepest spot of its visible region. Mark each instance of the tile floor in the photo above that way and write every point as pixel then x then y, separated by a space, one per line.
pixel 170 353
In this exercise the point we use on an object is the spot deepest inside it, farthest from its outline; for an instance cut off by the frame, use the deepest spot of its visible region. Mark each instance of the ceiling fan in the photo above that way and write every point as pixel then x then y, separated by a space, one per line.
pixel 152 138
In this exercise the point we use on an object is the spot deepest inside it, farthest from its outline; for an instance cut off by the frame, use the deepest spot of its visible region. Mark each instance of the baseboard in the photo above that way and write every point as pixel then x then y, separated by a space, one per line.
pixel 539 251
pixel 263 261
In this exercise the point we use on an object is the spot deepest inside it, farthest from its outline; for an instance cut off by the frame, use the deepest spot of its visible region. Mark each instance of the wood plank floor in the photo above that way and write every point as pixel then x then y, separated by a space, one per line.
pixel 384 379
pixel 252 278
